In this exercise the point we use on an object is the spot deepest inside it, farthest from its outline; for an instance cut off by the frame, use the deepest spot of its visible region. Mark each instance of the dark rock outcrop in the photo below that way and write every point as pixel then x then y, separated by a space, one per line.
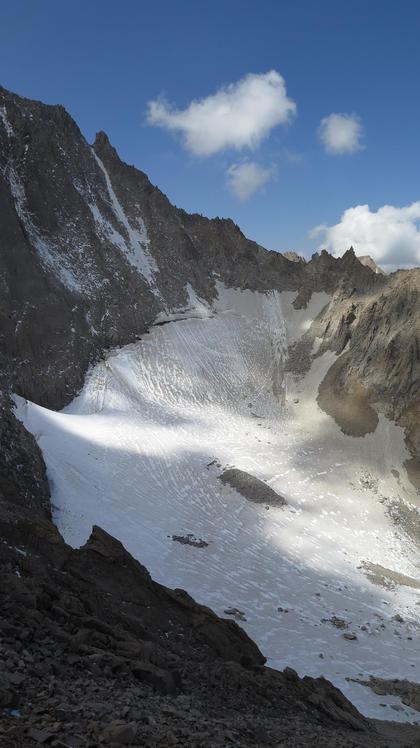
pixel 252 488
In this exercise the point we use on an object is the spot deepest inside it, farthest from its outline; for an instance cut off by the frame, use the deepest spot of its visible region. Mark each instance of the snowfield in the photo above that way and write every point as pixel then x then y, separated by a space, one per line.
pixel 140 452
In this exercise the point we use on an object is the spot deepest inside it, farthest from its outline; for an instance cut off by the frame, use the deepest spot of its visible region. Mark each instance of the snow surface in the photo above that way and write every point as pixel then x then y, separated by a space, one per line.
pixel 196 308
pixel 139 452
pixel 56 254
pixel 50 252
pixel 137 249
pixel 5 120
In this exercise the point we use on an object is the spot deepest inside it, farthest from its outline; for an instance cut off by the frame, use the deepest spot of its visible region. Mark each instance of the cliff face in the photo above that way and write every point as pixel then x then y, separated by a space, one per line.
pixel 377 338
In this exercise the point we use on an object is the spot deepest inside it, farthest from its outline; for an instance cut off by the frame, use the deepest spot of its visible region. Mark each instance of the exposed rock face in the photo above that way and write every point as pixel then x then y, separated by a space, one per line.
pixel 380 331
pixel 293 257
pixel 370 263
pixel 252 488
pixel 408 692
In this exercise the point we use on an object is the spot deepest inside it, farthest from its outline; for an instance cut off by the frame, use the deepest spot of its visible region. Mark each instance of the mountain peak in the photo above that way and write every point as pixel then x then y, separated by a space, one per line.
pixel 102 145
pixel 349 255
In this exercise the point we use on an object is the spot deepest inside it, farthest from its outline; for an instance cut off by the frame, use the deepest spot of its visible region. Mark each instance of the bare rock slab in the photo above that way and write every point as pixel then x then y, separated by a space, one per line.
pixel 252 488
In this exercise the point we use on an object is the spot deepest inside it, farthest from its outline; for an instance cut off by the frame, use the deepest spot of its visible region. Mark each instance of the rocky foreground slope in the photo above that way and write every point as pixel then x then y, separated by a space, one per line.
pixel 93 651
pixel 91 253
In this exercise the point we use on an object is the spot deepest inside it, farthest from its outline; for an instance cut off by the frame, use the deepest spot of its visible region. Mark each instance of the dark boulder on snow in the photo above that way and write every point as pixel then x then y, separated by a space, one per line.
pixel 252 488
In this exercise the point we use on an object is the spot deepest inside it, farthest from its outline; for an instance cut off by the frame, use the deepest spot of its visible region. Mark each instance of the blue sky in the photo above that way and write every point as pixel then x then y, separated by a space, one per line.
pixel 105 61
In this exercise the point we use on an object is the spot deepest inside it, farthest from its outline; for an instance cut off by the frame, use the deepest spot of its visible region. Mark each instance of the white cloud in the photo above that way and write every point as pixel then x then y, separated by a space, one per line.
pixel 391 236
pixel 341 133
pixel 245 179
pixel 237 116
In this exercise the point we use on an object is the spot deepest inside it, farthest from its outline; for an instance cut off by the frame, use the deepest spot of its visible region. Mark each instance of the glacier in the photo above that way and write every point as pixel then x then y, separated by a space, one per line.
pixel 140 451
